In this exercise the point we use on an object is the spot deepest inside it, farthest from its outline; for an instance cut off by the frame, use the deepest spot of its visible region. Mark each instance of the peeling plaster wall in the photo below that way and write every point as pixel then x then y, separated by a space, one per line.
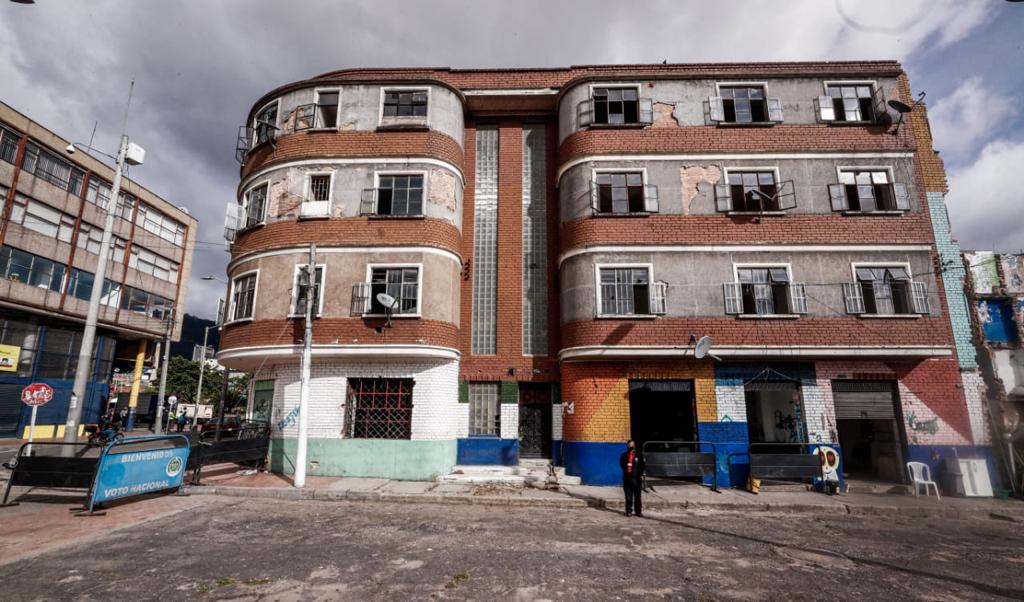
pixel 690 99
pixel 687 187
pixel 984 272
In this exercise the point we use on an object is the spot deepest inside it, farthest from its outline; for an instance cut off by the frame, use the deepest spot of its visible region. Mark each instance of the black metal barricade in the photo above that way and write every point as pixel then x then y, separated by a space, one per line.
pixel 249 444
pixel 45 465
pixel 667 460
pixel 783 464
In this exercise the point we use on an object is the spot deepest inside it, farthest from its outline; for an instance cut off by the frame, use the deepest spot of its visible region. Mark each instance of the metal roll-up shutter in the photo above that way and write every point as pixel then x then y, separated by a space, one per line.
pixel 10 408
pixel 864 400
pixel 661 386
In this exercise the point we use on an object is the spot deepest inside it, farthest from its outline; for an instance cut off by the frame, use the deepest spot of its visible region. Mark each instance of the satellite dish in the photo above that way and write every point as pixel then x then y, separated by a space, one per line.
pixel 900 107
pixel 701 349
pixel 386 300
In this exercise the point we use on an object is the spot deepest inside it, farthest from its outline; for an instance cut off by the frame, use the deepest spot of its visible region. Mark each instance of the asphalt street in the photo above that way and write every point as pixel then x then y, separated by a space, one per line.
pixel 217 548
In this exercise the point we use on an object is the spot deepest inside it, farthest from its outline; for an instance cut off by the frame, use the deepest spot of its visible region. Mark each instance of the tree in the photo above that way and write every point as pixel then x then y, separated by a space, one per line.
pixel 183 378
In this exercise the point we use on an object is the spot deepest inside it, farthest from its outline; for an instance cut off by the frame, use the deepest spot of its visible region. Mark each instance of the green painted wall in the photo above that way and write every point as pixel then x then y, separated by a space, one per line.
pixel 384 458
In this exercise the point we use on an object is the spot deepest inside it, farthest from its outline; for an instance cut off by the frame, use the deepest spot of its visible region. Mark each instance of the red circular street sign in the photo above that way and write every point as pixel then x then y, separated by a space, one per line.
pixel 36 394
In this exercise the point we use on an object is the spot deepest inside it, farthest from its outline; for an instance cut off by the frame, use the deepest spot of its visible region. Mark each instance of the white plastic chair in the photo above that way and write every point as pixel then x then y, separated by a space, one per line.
pixel 920 474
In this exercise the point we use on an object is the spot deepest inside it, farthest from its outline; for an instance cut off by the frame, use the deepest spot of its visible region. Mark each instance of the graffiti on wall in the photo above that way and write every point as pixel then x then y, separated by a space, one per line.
pixel 923 426
pixel 1013 273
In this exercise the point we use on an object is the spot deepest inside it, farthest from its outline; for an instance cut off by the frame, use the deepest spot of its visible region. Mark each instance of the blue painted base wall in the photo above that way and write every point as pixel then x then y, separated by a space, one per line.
pixel 56 411
pixel 488 450
pixel 596 463
pixel 935 455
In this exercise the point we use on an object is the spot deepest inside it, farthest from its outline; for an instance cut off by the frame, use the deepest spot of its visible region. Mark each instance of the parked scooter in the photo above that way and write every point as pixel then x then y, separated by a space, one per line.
pixel 102 434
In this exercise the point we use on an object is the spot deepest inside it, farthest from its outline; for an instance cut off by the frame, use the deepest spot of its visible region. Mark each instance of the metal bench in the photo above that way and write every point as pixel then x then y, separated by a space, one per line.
pixel 783 464
pixel 680 459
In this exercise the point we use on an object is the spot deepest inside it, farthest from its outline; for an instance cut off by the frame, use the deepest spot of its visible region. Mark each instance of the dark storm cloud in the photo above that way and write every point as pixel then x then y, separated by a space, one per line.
pixel 198 66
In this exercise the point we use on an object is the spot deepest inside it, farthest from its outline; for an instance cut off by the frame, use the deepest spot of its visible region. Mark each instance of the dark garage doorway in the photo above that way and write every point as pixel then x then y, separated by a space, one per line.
pixel 868 424
pixel 535 420
pixel 662 410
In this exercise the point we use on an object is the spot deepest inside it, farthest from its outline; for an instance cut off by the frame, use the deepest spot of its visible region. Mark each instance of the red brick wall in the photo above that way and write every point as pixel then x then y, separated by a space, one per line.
pixel 727 330
pixel 350 232
pixel 306 145
pixel 341 331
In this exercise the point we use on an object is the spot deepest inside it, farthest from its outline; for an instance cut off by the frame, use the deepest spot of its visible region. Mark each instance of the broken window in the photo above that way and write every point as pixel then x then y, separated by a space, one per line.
pixel 380 408
pixel 484 409
pixel 300 292
pixel 243 296
pixel 765 291
pixel 265 126
pixel 627 292
pixel 852 103
pixel 400 283
pixel 255 205
pixel 616 105
pixel 319 187
pixel 400 195
pixel 744 104
pixel 327 109
pixel 623 193
pixel 885 291
pixel 405 103
pixel 868 190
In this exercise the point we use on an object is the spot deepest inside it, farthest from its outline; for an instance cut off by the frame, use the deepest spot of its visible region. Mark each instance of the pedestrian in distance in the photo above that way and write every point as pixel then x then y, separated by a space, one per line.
pixel 182 419
pixel 632 464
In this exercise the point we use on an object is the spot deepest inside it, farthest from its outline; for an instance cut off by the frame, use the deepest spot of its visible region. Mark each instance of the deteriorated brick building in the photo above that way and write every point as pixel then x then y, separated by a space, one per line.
pixel 519 263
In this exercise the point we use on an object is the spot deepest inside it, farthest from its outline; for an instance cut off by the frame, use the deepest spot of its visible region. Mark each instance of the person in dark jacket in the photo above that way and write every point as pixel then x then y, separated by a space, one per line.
pixel 632 464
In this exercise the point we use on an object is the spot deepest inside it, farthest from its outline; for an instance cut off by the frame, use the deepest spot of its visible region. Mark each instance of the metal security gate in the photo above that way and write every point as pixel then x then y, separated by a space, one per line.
pixel 10 409
pixel 868 422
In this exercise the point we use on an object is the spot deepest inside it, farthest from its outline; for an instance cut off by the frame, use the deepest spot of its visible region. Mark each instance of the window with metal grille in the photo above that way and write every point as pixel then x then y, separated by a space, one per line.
pixel 327 108
pixel 256 205
pixel 380 408
pixel 8 145
pixel 625 291
pixel 319 187
pixel 243 294
pixel 868 190
pixel 405 103
pixel 30 269
pixel 485 244
pixel 401 283
pixel 535 247
pixel 616 105
pixel 484 409
pixel 400 195
pixel 265 124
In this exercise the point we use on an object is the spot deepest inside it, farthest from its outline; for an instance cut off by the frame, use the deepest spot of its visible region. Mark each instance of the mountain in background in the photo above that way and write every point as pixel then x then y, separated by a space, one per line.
pixel 192 334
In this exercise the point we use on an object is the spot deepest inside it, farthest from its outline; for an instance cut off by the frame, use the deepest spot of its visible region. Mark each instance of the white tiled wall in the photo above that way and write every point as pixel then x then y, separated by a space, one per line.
pixel 435 396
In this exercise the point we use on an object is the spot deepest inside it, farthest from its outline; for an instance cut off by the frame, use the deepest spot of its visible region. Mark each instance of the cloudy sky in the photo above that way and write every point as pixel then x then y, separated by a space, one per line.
pixel 199 64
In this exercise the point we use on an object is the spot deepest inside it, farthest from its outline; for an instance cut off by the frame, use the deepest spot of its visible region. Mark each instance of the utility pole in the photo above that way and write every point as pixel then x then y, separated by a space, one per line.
pixel 159 428
pixel 85 352
pixel 199 389
pixel 307 360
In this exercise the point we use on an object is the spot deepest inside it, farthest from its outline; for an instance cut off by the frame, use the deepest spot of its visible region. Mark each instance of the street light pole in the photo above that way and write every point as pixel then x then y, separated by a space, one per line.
pixel 307 360
pixel 85 352
pixel 202 369
pixel 159 428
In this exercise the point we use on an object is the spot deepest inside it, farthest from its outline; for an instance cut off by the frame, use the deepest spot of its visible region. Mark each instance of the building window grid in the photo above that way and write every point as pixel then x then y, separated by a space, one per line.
pixel 256 205
pixel 484 409
pixel 401 283
pixel 319 187
pixel 765 291
pixel 535 247
pixel 152 220
pixel 852 102
pixel 150 263
pixel 405 103
pixel 243 295
pixel 42 218
pixel 8 145
pixel 50 168
pixel 400 195
pixel 380 408
pixel 80 285
pixel 34 270
pixel 625 291
pixel 485 244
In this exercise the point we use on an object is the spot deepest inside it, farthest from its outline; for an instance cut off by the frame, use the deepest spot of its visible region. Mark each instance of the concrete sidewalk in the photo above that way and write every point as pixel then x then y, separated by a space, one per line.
pixel 227 480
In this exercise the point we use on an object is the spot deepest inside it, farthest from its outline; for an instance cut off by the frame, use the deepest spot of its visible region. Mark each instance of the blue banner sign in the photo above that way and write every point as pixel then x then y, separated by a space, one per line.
pixel 138 465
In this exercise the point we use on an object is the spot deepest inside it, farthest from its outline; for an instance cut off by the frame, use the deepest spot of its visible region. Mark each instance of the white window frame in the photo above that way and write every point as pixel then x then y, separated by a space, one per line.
pixel 736 267
pixel 749 84
pixel 401 172
pixel 641 170
pixel 590 96
pixel 307 185
pixel 277 121
pixel 419 287
pixel 850 82
pixel 245 206
pixel 778 184
pixel 597 286
pixel 408 119
pixel 295 290
pixel 884 264
pixel 231 296
pixel 316 109
pixel 892 180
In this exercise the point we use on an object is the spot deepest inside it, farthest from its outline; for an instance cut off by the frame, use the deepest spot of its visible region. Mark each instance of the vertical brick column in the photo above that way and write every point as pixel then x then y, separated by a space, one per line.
pixel 510 240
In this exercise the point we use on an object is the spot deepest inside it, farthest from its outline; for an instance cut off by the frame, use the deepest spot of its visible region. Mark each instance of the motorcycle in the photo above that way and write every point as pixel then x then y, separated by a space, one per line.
pixel 103 434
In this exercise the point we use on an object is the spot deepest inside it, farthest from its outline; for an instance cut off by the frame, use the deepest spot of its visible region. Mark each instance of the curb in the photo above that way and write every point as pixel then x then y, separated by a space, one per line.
pixel 328 495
